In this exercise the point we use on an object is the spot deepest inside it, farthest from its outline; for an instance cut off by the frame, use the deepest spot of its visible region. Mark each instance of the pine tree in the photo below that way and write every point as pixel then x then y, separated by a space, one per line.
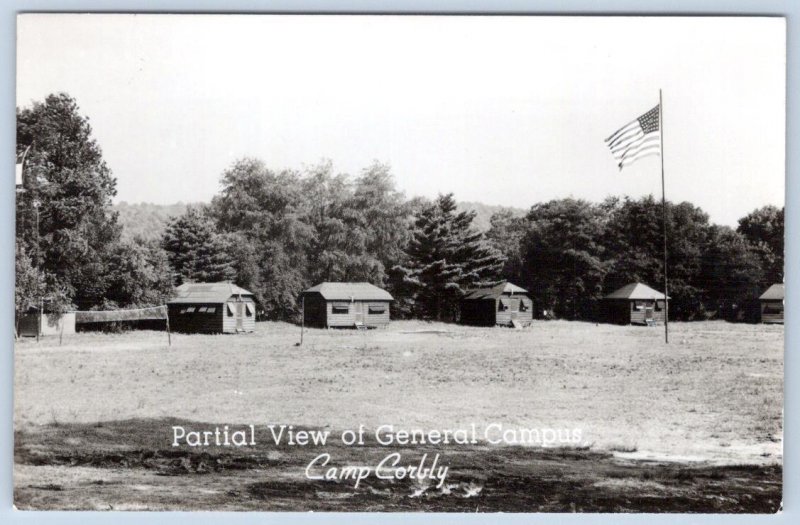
pixel 195 250
pixel 446 258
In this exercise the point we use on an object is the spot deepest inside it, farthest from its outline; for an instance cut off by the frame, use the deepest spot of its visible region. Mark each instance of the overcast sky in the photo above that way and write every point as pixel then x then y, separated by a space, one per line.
pixel 502 110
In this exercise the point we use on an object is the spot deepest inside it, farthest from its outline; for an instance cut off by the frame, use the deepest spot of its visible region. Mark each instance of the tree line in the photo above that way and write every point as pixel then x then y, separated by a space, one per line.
pixel 277 232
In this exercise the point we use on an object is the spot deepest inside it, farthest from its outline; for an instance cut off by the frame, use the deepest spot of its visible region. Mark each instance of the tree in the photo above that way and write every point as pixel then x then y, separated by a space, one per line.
pixel 764 228
pixel 446 257
pixel 731 273
pixel 195 250
pixel 268 209
pixel 29 283
pixel 360 227
pixel 506 234
pixel 634 239
pixel 64 218
pixel 339 248
pixel 563 257
pixel 383 213
pixel 139 275
pixel 295 229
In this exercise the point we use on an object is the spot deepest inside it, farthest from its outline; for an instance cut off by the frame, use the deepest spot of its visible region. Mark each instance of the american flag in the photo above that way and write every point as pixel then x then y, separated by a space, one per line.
pixel 639 138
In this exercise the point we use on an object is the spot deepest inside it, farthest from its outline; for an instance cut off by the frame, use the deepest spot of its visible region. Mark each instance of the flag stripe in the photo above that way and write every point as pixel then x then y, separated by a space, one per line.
pixel 625 137
pixel 653 150
pixel 622 146
pixel 627 127
pixel 646 140
pixel 632 160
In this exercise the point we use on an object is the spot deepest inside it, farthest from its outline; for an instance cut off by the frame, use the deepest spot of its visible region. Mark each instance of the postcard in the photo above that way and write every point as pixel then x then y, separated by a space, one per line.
pixel 399 263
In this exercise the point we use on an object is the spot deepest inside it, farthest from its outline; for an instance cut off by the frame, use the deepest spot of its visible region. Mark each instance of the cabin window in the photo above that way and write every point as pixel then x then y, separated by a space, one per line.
pixel 639 305
pixel 502 305
pixel 211 309
pixel 377 309
pixel 202 309
pixel 250 308
pixel 340 309
pixel 659 306
pixel 231 313
pixel 523 305
pixel 183 311
pixel 190 310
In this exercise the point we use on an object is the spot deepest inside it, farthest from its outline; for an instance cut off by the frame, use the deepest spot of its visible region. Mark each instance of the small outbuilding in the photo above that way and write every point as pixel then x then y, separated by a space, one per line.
pixel 501 305
pixel 772 304
pixel 34 324
pixel 211 308
pixel 634 303
pixel 346 305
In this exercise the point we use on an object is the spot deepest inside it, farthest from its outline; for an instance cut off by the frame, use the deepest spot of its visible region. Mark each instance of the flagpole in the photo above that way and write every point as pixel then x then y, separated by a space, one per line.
pixel 664 212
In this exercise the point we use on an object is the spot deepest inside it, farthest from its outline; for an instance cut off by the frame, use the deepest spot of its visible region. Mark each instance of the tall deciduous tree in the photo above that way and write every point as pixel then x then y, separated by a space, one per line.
pixel 731 273
pixel 765 230
pixel 634 239
pixel 446 258
pixel 563 257
pixel 64 218
pixel 267 209
pixel 506 233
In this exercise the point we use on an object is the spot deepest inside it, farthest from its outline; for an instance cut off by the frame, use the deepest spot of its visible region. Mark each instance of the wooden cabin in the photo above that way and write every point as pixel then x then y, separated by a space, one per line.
pixel 634 303
pixel 346 305
pixel 500 305
pixel 772 304
pixel 212 308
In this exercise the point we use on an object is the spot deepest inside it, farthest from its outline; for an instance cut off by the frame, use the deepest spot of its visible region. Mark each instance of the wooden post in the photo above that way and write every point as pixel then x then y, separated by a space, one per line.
pixel 61 332
pixel 302 317
pixel 664 211
pixel 169 335
pixel 39 324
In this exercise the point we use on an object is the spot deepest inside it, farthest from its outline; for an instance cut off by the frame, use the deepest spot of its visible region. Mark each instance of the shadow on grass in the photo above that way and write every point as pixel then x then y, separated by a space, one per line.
pixel 131 464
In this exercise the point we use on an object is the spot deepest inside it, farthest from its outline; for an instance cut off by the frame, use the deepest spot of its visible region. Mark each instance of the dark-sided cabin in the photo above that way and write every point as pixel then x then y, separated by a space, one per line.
pixel 772 304
pixel 634 303
pixel 211 308
pixel 346 305
pixel 502 305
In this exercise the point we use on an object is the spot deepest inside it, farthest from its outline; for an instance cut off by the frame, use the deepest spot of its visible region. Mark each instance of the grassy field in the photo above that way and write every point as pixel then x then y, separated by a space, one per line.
pixel 677 427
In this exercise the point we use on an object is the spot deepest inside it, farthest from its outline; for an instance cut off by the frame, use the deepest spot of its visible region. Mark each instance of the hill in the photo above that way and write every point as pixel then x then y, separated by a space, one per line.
pixel 484 212
pixel 148 220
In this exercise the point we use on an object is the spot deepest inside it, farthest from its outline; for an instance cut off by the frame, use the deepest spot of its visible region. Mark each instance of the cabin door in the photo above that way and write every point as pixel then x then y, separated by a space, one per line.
pixel 514 308
pixel 239 317
pixel 648 313
pixel 358 311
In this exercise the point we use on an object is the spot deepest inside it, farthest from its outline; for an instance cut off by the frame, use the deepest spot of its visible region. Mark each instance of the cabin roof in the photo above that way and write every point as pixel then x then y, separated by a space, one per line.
pixel 494 292
pixel 635 291
pixel 350 292
pixel 773 293
pixel 207 292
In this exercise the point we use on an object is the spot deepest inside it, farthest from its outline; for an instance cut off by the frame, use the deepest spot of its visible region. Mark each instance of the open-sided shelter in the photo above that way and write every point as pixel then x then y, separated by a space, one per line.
pixel 219 307
pixel 772 304
pixel 346 305
pixel 502 304
pixel 634 303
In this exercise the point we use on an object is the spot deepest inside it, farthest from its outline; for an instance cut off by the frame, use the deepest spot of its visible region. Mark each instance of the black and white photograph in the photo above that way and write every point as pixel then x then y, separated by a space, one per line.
pixel 395 263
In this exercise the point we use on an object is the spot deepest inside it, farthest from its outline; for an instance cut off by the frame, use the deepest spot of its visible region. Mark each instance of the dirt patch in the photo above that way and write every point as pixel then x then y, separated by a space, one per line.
pixel 136 468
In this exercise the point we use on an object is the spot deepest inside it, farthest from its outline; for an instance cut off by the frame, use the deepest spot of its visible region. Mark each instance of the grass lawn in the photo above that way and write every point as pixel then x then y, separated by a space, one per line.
pixel 710 400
